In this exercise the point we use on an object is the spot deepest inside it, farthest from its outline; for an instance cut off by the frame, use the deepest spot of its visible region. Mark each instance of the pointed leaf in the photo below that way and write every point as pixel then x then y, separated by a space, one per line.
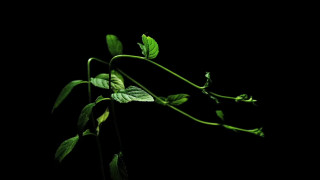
pixel 150 48
pixel 118 169
pixel 85 115
pixel 220 114
pixel 66 147
pixel 102 81
pixel 102 119
pixel 65 92
pixel 132 93
pixel 177 99
pixel 114 45
pixel 88 132
pixel 209 81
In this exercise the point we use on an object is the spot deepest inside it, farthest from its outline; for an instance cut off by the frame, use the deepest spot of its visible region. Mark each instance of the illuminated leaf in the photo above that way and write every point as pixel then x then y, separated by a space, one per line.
pixel 66 147
pixel 150 48
pixel 66 91
pixel 114 45
pixel 132 93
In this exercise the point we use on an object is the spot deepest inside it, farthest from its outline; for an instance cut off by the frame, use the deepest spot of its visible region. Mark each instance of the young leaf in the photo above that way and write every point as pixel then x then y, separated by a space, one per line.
pixel 114 45
pixel 220 114
pixel 85 115
pixel 66 147
pixel 101 119
pixel 118 169
pixel 177 99
pixel 66 91
pixel 150 48
pixel 132 93
pixel 88 132
pixel 209 81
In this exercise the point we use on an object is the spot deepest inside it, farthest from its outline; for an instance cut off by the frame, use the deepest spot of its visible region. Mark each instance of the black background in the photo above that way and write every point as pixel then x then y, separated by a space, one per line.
pixel 243 52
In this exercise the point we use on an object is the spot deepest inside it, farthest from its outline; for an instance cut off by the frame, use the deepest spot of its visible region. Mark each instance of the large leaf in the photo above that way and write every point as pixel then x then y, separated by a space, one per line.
pixel 132 93
pixel 150 48
pixel 85 115
pixel 102 81
pixel 118 169
pixel 66 147
pixel 66 91
pixel 114 45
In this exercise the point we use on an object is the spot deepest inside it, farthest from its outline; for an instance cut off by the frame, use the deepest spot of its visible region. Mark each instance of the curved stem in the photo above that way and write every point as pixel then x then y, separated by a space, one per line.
pixel 162 67
pixel 178 76
pixel 253 131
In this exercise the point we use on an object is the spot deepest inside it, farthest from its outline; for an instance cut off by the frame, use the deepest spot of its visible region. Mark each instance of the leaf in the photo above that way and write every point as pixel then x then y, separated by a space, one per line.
pixel 177 99
pixel 118 169
pixel 102 119
pixel 132 93
pixel 88 132
pixel 85 115
pixel 114 45
pixel 66 91
pixel 209 81
pixel 220 114
pixel 66 147
pixel 150 48
pixel 102 81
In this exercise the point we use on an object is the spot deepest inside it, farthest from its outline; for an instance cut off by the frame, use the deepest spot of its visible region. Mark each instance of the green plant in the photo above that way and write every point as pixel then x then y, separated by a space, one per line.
pixel 113 81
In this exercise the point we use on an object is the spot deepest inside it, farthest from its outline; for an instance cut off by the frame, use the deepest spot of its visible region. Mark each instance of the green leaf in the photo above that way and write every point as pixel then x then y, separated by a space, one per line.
pixel 102 119
pixel 132 93
pixel 209 81
pixel 220 114
pixel 88 132
pixel 118 169
pixel 177 99
pixel 102 81
pixel 66 147
pixel 85 115
pixel 150 48
pixel 66 91
pixel 114 45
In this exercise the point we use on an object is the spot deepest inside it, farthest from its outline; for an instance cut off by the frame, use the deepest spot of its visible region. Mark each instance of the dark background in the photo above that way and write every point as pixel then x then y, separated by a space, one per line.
pixel 243 52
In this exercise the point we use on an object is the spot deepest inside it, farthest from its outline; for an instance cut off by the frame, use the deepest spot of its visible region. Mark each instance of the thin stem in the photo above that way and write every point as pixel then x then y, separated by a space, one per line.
pixel 178 76
pixel 254 131
pixel 162 67
pixel 93 121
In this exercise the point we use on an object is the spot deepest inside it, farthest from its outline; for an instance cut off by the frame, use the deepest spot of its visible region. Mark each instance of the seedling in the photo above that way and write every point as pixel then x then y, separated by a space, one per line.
pixel 118 92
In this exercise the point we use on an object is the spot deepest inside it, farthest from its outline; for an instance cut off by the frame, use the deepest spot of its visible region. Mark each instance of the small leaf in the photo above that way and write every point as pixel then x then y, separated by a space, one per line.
pixel 102 119
pixel 150 48
pixel 85 115
pixel 118 169
pixel 132 93
pixel 177 99
pixel 66 91
pixel 209 81
pixel 114 45
pixel 220 114
pixel 161 100
pixel 88 132
pixel 66 147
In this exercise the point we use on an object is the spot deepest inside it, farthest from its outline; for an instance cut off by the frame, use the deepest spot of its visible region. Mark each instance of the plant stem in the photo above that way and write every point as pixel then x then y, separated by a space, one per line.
pixel 254 131
pixel 177 75
pixel 93 121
